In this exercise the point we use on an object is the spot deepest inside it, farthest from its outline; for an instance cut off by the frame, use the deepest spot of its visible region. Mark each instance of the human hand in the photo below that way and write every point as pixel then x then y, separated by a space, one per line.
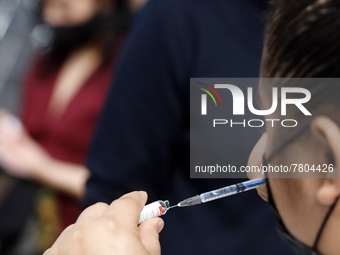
pixel 111 229
pixel 255 159
pixel 20 155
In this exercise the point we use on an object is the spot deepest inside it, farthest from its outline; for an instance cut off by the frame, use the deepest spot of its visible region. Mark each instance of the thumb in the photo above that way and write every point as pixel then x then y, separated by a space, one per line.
pixel 149 234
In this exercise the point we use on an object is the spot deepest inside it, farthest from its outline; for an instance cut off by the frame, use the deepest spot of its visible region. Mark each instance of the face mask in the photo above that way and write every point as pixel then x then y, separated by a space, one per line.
pixel 298 247
pixel 66 39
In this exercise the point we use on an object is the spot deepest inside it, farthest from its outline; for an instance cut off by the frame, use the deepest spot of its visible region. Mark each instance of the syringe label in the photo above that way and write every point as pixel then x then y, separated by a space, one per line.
pixel 151 211
pixel 160 208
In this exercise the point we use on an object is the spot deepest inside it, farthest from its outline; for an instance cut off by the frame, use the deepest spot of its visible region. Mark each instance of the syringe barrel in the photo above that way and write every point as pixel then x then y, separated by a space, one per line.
pixel 251 184
pixel 219 193
pixel 154 210
pixel 231 190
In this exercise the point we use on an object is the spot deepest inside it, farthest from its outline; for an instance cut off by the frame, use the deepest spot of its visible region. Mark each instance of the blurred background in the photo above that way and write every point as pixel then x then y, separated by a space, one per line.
pixel 70 69
pixel 18 20
pixel 38 41
pixel 18 44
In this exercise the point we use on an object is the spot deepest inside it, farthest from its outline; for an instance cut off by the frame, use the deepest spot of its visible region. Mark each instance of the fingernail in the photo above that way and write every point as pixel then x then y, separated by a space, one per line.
pixel 160 226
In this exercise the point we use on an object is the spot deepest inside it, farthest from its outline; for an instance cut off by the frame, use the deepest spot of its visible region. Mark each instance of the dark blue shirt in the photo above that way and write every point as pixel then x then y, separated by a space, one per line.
pixel 142 141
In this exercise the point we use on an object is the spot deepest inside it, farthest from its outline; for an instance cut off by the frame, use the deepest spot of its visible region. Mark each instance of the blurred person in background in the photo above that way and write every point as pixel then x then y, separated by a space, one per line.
pixel 142 140
pixel 63 94
pixel 19 34
pixel 307 209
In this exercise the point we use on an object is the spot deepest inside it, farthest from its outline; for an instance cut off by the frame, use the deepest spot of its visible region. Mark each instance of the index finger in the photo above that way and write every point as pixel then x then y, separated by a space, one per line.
pixel 126 210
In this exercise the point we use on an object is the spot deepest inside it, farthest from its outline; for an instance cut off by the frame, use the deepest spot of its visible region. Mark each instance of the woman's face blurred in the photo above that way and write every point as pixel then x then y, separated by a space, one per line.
pixel 63 13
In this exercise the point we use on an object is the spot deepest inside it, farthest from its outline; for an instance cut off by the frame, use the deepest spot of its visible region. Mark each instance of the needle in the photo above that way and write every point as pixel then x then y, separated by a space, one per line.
pixel 173 206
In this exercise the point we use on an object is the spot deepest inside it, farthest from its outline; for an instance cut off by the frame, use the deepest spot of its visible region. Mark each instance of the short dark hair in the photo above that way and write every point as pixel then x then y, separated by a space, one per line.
pixel 302 39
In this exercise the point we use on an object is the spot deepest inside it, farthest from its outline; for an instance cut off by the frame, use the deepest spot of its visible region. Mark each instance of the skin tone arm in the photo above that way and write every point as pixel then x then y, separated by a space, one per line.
pixel 22 157
pixel 111 229
pixel 66 177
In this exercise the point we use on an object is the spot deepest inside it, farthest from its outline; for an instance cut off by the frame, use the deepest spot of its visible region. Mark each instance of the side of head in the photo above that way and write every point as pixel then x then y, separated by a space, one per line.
pixel 302 40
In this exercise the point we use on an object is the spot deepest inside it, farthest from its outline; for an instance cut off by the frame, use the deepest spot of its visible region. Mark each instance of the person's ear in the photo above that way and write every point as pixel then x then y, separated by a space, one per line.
pixel 328 132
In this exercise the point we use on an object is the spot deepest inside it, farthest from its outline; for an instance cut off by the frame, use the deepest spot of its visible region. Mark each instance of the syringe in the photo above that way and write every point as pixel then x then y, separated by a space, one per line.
pixel 159 208
pixel 223 192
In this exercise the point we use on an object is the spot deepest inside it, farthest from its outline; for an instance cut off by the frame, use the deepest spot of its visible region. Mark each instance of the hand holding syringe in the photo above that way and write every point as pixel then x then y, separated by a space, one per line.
pixel 159 208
